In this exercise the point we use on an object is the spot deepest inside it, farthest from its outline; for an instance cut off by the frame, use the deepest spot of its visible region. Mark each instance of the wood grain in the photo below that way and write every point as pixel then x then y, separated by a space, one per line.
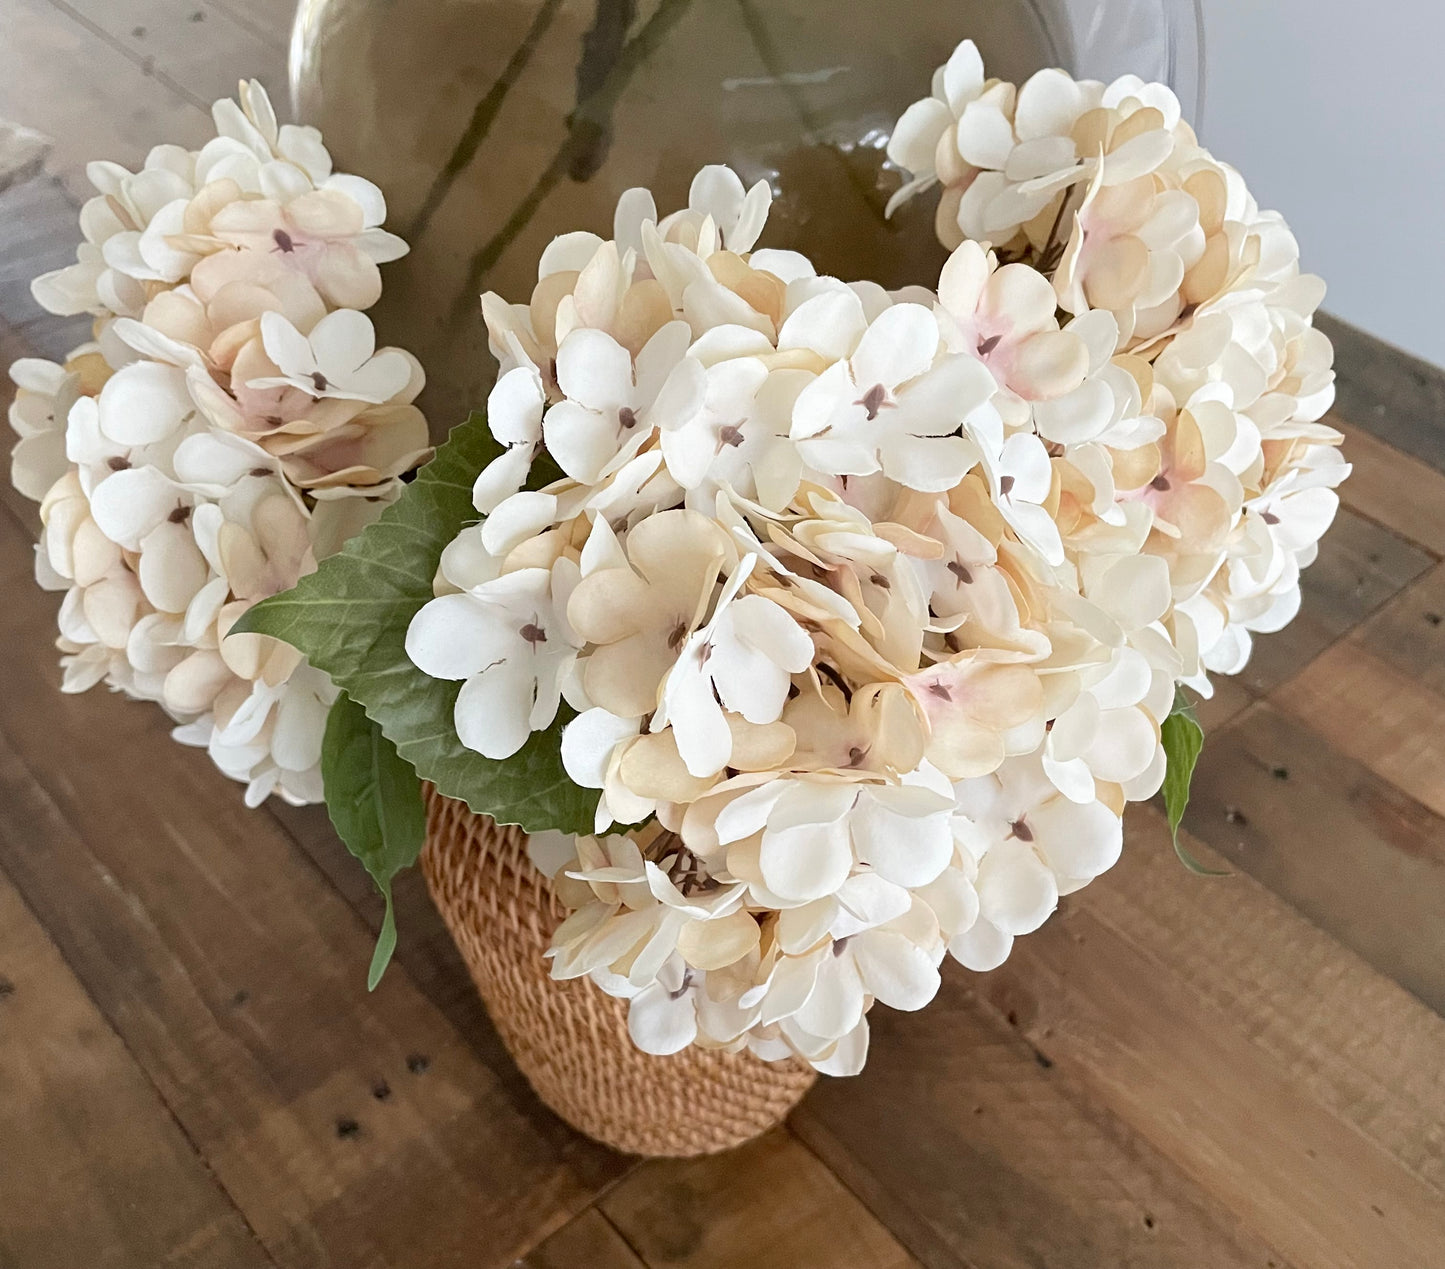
pixel 976 1148
pixel 586 1242
pixel 88 1144
pixel 196 48
pixel 235 974
pixel 1394 489
pixel 65 80
pixel 1396 396
pixel 1354 854
pixel 1175 1069
pixel 1346 1035
pixel 704 1213
pixel 1360 567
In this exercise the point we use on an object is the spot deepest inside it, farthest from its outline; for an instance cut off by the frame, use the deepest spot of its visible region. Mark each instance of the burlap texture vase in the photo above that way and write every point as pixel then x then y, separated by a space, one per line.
pixel 570 1039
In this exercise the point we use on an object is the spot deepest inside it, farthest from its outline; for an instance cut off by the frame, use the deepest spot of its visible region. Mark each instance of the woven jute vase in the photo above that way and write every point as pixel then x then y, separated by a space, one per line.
pixel 569 1038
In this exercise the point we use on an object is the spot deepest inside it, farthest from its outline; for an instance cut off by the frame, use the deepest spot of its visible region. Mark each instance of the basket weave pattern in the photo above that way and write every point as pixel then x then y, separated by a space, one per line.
pixel 569 1038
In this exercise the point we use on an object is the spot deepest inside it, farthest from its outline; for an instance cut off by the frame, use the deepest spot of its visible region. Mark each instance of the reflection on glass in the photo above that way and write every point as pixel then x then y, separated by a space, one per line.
pixel 493 125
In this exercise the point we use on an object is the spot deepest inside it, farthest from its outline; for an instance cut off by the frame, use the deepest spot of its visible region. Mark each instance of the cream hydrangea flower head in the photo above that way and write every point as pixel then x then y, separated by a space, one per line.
pixel 231 424
pixel 869 608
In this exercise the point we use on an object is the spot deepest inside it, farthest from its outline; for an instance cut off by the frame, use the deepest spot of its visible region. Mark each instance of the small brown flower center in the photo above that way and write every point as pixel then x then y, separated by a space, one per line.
pixel 180 515
pixel 283 241
pixel 960 570
pixel 533 633
pixel 318 381
pixel 941 691
pixel 676 636
pixel 874 400
pixel 1160 482
pixel 1005 485
pixel 1269 517
pixel 118 463
pixel 986 346
pixel 627 417
pixel 1021 830
pixel 731 434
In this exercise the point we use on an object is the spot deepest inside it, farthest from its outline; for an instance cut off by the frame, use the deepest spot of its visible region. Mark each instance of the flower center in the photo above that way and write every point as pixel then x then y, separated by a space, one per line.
pixel 533 633
pixel 1269 517
pixel 1021 830
pixel 960 570
pixel 731 434
pixel 627 417
pixel 1160 482
pixel 941 691
pixel 318 381
pixel 1005 485
pixel 676 635
pixel 283 241
pixel 117 463
pixel 986 346
pixel 180 515
pixel 881 582
pixel 875 399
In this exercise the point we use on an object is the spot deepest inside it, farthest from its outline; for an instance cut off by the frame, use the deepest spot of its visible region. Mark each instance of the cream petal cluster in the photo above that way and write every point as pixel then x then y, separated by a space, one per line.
pixel 231 424
pixel 1103 189
pixel 868 608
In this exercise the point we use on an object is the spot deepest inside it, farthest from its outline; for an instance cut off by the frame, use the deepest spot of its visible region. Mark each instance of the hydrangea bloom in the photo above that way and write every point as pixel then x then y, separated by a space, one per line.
pixel 872 605
pixel 231 424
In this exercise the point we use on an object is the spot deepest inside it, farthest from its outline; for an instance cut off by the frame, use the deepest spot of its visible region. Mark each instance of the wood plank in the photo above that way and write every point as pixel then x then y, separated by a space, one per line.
pixel 976 1148
pixel 705 1213
pixel 1176 1069
pixel 38 232
pixel 1394 489
pixel 270 20
pixel 1369 710
pixel 349 1128
pixel 61 78
pixel 1379 696
pixel 1347 1036
pixel 1346 848
pixel 1387 391
pixel 585 1242
pixel 102 1175
pixel 1231 698
pixel 195 48
pixel 1360 567
pixel 424 947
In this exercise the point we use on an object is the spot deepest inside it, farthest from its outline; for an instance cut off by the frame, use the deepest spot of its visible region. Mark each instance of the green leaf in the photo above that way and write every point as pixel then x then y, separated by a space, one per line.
pixel 1183 738
pixel 374 799
pixel 350 618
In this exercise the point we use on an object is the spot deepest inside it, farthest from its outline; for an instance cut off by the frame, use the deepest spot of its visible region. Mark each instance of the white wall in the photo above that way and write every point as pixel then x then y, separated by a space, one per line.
pixel 1334 110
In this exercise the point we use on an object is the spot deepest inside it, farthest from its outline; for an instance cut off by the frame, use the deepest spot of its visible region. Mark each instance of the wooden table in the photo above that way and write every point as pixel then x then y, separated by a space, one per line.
pixel 1175 1072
